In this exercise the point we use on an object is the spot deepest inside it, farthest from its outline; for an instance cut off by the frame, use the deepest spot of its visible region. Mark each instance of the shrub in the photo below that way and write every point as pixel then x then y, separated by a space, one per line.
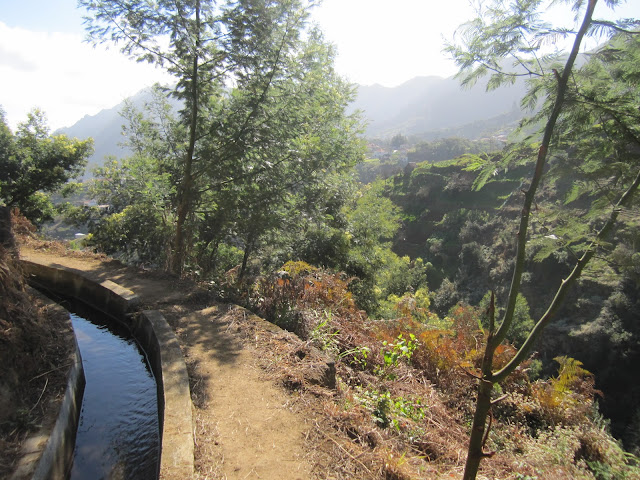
pixel 568 398
pixel 289 297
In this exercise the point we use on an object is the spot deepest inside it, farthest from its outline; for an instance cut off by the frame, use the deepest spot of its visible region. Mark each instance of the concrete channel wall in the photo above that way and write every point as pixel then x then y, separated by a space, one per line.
pixel 58 453
pixel 49 453
pixel 161 346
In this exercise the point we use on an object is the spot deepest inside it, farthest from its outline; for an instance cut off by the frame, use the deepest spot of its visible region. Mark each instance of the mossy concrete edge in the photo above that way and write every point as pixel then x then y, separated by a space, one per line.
pixel 161 346
pixel 57 457
pixel 106 296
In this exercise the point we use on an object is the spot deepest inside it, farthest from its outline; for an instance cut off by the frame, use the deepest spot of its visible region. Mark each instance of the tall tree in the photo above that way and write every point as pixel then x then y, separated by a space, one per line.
pixel 34 163
pixel 208 46
pixel 274 150
pixel 263 111
pixel 584 108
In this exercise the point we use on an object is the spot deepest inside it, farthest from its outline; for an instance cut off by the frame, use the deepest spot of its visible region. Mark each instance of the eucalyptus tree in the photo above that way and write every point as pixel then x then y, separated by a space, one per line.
pixel 228 58
pixel 589 135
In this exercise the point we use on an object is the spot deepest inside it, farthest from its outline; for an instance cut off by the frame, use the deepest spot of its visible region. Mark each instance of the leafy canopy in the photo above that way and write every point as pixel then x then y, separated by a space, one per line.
pixel 505 41
pixel 261 130
pixel 34 163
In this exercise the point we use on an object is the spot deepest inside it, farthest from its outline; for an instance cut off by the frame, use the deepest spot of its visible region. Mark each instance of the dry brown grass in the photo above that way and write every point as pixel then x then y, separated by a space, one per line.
pixel 429 398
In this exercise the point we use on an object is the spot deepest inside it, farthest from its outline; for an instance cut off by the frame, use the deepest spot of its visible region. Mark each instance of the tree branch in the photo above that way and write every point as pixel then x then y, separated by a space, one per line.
pixel 537 176
pixel 522 354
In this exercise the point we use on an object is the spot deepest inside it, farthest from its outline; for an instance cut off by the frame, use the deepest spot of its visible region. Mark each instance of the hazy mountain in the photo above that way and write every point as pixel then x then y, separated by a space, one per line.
pixel 429 107
pixel 106 130
pixel 426 104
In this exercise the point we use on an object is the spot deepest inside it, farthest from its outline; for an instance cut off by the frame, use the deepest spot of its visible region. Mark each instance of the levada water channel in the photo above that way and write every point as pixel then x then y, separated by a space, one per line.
pixel 118 433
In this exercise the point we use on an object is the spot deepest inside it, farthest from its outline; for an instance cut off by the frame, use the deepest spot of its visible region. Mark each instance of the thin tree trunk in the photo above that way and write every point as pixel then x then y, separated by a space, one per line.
pixel 6 233
pixel 483 402
pixel 185 197
pixel 475 453
pixel 563 82
pixel 248 249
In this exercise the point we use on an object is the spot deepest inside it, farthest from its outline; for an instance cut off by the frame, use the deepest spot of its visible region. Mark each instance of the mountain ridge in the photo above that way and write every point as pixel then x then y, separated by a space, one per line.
pixel 425 104
pixel 428 107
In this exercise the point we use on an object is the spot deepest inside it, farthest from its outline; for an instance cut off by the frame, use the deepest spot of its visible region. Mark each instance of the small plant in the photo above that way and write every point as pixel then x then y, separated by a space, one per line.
pixel 601 471
pixel 568 397
pixel 324 336
pixel 386 410
pixel 413 410
pixel 382 410
pixel 392 353
pixel 402 348
pixel 358 356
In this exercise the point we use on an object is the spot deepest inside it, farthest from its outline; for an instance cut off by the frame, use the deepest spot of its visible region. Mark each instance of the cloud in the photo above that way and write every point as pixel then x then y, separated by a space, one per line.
pixel 14 60
pixel 64 77
pixel 390 43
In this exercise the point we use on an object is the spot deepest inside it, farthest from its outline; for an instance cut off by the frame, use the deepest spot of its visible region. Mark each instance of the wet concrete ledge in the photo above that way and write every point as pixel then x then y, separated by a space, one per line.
pixel 157 339
pixel 105 296
pixel 174 398
pixel 57 456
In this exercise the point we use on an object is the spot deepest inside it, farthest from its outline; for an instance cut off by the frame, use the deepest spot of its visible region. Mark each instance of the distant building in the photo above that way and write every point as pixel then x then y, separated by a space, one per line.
pixel 376 151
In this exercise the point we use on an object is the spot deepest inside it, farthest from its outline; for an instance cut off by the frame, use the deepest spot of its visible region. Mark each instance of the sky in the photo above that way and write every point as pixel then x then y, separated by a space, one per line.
pixel 45 63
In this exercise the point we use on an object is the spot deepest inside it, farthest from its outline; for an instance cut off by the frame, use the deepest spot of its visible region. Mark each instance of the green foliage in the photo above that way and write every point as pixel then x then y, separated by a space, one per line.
pixel 297 269
pixel 372 221
pixel 34 163
pixel 570 375
pixel 442 351
pixel 323 244
pixel 401 275
pixel 226 257
pixel 387 410
pixel 270 154
pixel 598 454
pixel 591 127
pixel 241 161
pixel 505 42
pixel 398 140
pixel 522 322
pixel 134 220
pixel 596 138
pixel 357 356
pixel 410 305
pixel 138 233
pixel 447 149
pixel 400 349
pixel 323 335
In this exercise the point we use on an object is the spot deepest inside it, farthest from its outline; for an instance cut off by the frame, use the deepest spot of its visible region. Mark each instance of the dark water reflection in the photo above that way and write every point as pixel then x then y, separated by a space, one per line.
pixel 118 434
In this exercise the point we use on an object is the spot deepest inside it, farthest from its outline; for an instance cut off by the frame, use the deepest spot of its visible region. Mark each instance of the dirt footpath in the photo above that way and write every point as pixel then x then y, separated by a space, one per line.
pixel 246 424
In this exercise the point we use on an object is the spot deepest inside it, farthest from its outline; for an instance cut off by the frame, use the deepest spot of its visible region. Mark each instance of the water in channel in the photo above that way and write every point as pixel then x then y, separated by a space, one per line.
pixel 118 432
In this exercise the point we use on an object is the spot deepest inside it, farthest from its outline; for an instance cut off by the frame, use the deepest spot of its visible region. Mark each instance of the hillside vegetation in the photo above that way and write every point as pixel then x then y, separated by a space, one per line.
pixel 481 293
pixel 405 388
pixel 465 237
